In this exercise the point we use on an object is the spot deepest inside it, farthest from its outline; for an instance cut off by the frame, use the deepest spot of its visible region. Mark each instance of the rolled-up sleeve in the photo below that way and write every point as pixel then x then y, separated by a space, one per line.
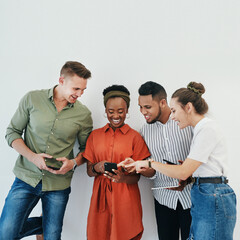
pixel 19 121
pixel 86 129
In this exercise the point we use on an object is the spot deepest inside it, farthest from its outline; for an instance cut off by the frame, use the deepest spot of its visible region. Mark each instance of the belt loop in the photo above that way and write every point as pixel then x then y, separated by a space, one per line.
pixel 197 180
pixel 223 179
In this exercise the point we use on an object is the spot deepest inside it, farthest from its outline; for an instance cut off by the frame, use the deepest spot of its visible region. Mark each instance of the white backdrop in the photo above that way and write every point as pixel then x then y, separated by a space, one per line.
pixel 125 42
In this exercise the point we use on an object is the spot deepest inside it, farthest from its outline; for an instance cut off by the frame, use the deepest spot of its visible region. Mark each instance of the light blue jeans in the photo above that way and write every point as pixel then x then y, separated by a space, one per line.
pixel 213 212
pixel 21 199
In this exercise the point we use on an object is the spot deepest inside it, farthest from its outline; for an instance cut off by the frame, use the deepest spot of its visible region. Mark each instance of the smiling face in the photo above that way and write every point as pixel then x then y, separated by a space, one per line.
pixel 116 109
pixel 72 87
pixel 179 113
pixel 150 108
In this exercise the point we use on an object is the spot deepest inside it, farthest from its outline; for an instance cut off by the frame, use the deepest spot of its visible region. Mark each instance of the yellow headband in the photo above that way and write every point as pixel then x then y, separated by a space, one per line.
pixel 194 90
pixel 121 94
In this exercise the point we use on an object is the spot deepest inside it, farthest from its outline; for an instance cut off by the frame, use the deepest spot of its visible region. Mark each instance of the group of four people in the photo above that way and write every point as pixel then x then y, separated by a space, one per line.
pixel 177 142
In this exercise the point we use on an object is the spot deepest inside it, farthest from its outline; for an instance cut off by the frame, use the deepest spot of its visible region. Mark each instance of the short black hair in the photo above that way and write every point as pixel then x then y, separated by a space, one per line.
pixel 152 88
pixel 115 88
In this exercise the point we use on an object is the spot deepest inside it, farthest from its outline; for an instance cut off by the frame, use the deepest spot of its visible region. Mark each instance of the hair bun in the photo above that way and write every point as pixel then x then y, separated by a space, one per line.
pixel 198 88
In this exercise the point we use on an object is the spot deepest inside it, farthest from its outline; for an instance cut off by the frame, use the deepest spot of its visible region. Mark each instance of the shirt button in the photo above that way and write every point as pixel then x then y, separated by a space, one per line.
pixel 51 132
pixel 56 119
pixel 47 146
pixel 43 174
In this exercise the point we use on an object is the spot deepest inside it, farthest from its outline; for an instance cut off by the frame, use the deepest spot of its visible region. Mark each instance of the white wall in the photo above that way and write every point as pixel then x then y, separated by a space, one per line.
pixel 126 42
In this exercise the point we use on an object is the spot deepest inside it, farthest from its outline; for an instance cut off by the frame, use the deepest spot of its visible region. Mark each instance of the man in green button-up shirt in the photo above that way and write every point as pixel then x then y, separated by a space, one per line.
pixel 51 121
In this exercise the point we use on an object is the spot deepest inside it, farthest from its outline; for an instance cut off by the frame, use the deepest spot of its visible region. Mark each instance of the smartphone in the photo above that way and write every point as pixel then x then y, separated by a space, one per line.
pixel 54 168
pixel 52 164
pixel 171 163
pixel 108 166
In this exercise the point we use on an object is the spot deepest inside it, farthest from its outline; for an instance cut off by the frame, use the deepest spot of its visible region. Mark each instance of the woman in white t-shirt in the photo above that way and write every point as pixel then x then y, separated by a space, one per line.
pixel 213 200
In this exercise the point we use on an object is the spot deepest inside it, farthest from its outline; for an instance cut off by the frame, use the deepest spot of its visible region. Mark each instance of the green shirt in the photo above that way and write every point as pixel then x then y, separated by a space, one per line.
pixel 48 131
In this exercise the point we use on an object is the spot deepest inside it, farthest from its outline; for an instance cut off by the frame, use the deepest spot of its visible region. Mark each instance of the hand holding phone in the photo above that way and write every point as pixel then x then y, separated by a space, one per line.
pixel 52 163
pixel 109 166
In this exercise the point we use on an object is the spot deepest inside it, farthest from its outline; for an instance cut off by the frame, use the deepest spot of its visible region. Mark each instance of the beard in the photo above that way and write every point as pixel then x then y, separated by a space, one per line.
pixel 157 117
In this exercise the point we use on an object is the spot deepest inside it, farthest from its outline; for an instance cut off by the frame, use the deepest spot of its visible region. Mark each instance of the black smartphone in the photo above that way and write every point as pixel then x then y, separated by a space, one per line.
pixel 108 166
pixel 54 168
pixel 53 164
pixel 171 163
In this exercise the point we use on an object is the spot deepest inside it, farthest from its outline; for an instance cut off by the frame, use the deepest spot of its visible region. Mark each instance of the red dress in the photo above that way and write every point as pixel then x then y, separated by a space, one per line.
pixel 115 211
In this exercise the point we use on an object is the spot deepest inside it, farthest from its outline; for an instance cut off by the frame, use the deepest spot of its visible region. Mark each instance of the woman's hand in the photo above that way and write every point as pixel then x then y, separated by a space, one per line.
pixel 118 177
pixel 99 167
pixel 138 166
pixel 95 169
pixel 126 162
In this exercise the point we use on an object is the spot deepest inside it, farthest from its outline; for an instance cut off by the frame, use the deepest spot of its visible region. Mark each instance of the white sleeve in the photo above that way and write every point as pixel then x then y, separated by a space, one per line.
pixel 203 144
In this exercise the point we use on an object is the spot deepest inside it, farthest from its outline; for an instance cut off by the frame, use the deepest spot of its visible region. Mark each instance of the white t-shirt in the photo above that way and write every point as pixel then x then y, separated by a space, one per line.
pixel 209 147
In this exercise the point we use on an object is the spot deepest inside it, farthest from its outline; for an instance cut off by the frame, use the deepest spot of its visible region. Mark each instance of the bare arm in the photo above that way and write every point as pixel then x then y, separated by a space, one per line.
pixel 68 164
pixel 175 171
pixel 37 159
pixel 147 172
pixel 94 169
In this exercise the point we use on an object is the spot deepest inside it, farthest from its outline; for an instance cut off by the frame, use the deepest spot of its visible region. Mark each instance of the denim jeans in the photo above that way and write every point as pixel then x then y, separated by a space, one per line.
pixel 21 199
pixel 213 212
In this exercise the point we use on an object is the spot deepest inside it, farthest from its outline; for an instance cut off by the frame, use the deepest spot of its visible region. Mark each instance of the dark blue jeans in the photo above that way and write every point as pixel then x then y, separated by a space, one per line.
pixel 21 199
pixel 213 212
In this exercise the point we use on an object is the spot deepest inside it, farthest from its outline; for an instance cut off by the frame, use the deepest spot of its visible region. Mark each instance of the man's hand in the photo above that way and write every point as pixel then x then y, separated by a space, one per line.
pixel 39 160
pixel 182 185
pixel 67 165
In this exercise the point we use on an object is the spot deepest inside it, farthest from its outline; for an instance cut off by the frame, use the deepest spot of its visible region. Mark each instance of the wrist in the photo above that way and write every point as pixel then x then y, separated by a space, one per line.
pixel 31 157
pixel 74 164
pixel 150 161
pixel 94 170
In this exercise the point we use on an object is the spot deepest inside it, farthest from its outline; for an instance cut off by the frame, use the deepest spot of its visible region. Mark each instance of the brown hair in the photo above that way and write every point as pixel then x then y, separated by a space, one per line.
pixel 193 93
pixel 71 68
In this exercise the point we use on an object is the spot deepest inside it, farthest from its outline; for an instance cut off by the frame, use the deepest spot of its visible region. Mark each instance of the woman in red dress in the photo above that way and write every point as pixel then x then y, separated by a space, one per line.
pixel 115 211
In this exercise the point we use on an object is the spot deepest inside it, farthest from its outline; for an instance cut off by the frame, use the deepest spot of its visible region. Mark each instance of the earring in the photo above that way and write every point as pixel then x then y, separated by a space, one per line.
pixel 127 115
pixel 105 115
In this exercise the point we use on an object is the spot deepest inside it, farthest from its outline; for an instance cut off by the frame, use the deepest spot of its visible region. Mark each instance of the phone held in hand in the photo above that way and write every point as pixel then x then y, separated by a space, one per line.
pixel 53 163
pixel 168 162
pixel 54 168
pixel 109 166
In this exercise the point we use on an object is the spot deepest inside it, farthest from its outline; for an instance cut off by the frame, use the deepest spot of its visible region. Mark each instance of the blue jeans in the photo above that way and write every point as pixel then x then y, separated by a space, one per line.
pixel 213 212
pixel 21 199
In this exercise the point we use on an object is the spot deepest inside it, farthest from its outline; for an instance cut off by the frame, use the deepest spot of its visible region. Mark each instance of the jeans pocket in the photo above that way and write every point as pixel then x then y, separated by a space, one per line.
pixel 206 189
pixel 229 204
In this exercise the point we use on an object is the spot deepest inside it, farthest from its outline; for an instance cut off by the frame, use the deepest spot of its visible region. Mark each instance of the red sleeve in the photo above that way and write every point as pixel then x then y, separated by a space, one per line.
pixel 140 149
pixel 89 153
